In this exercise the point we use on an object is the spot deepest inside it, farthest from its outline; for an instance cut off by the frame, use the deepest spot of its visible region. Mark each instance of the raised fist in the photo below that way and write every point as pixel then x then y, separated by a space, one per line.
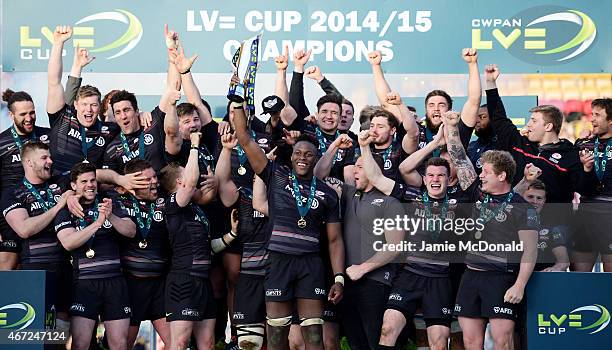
pixel 375 58
pixel 469 55
pixel 62 34
pixel 491 72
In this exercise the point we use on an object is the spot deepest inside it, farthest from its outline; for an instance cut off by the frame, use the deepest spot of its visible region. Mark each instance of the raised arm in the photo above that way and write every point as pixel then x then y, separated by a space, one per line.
pixel 280 86
pixel 228 192
pixel 260 197
pixel 314 73
pixel 191 174
pixel 410 141
pixel 55 90
pixel 173 78
pixel 256 157
pixel 325 163
pixel 81 59
pixel 530 174
pixel 173 139
pixel 469 113
pixel 372 170
pixel 192 93
pixel 464 167
pixel 408 168
pixel 380 83
pixel 296 94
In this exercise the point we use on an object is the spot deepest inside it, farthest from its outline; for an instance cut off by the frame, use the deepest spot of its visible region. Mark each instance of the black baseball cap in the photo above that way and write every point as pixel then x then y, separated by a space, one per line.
pixel 272 104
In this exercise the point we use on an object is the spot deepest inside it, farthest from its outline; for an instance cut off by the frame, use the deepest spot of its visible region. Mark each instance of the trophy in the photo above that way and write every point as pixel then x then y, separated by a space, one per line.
pixel 245 62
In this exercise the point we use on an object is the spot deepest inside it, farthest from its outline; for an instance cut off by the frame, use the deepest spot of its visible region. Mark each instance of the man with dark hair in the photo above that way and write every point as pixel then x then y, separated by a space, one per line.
pixel 348 111
pixel 22 113
pixel 136 141
pixel 100 288
pixel 427 279
pixel 295 269
pixel 486 138
pixel 596 151
pixel 494 282
pixel 29 209
pixel 370 274
pixel 145 256
pixel 436 102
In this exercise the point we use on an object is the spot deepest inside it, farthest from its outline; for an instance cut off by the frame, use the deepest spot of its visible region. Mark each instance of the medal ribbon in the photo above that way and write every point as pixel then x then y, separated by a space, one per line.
pixel 84 144
pixel 45 204
pixel 428 138
pixel 200 214
pixel 323 145
pixel 428 214
pixel 17 139
pixel 143 228
pixel 303 209
pixel 83 223
pixel 126 146
pixel 600 166
pixel 486 214
pixel 242 158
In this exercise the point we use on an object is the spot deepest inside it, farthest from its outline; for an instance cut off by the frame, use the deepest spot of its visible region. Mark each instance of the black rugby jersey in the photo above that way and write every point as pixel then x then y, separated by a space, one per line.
pixel 153 259
pixel 105 262
pixel 67 144
pixel 286 236
pixel 189 232
pixel 152 140
pixel 42 247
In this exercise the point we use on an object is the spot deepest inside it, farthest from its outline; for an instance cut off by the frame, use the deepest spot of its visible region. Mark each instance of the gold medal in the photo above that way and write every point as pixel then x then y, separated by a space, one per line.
pixel 90 253
pixel 142 244
pixel 478 235
pixel 241 170
pixel 301 223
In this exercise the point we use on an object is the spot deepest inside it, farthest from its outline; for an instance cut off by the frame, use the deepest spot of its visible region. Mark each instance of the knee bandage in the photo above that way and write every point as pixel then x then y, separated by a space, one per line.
pixel 250 336
pixel 279 322
pixel 305 322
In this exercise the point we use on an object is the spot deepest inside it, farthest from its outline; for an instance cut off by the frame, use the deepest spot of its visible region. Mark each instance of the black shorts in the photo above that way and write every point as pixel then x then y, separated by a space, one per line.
pixel 146 298
pixel 592 238
pixel 11 242
pixel 60 277
pixel 481 295
pixel 249 300
pixel 294 276
pixel 106 297
pixel 189 298
pixel 433 294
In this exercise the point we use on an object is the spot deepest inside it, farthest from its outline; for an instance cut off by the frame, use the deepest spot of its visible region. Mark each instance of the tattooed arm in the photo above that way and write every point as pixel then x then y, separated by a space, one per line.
pixel 463 165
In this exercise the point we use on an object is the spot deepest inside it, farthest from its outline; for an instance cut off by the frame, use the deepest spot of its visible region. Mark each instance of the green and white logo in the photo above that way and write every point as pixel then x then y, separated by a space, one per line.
pixel 597 315
pixel 543 35
pixel 128 40
pixel 18 315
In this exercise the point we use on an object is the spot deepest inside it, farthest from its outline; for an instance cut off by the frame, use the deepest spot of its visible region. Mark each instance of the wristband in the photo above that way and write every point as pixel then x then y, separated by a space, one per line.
pixel 236 105
pixel 339 278
pixel 185 72
pixel 194 147
pixel 231 233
